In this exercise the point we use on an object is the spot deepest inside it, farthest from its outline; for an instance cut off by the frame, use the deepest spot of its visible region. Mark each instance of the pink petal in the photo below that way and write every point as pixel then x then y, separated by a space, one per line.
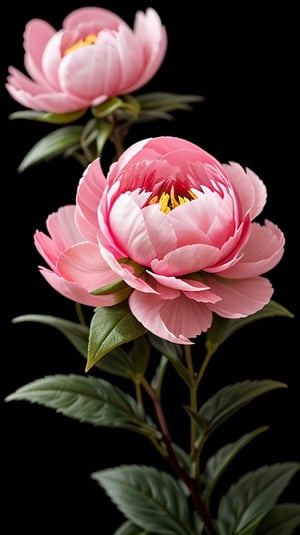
pixel 263 251
pixel 84 265
pixel 250 188
pixel 36 36
pixel 70 290
pixel 240 297
pixel 89 194
pixel 187 259
pixel 175 320
pixel 94 15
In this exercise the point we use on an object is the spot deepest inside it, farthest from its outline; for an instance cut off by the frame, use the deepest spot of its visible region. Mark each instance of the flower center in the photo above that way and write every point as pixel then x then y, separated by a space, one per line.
pixel 90 39
pixel 170 200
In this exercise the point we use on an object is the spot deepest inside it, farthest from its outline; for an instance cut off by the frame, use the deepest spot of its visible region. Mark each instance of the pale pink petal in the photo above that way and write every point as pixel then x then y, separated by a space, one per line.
pixel 84 265
pixel 193 289
pixel 102 18
pixel 36 36
pixel 169 319
pixel 151 37
pixel 250 188
pixel 263 251
pixel 240 297
pixel 72 291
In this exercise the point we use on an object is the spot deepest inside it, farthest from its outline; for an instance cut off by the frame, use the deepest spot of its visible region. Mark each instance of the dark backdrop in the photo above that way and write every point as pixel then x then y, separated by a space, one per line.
pixel 244 61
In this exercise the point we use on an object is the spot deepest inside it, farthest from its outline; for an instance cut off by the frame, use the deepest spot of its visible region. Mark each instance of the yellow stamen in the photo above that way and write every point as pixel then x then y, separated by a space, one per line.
pixel 90 39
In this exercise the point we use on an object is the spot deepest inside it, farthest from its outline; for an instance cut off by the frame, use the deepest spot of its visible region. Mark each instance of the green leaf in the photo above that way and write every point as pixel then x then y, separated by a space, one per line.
pixel 281 520
pixel 52 145
pixel 231 399
pixel 174 354
pixel 76 333
pixel 87 399
pixel 130 365
pixel 148 498
pixel 167 101
pixel 111 327
pixel 247 502
pixel 219 462
pixel 130 529
pixel 272 309
pixel 45 117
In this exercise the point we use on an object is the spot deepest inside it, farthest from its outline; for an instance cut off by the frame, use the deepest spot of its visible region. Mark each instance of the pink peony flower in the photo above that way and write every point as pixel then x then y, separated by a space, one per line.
pixel 176 227
pixel 95 55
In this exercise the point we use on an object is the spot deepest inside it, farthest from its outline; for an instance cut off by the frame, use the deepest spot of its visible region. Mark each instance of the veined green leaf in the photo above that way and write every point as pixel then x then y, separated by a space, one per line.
pixel 271 310
pixel 219 462
pixel 148 498
pixel 52 145
pixel 111 327
pixel 249 500
pixel 231 399
pixel 281 520
pixel 87 399
pixel 76 333
pixel 46 117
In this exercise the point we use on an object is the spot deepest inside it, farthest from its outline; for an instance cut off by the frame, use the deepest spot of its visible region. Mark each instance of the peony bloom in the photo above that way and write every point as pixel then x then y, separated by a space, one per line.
pixel 95 55
pixel 170 229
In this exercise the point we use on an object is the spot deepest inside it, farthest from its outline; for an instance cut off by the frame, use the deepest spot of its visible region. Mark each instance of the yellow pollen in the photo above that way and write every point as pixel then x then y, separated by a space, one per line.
pixel 168 201
pixel 88 40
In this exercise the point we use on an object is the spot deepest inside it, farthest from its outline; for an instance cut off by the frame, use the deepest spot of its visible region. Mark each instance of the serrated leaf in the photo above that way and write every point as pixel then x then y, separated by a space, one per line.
pixel 76 333
pixel 111 327
pixel 87 399
pixel 147 497
pixel 271 310
pixel 130 364
pixel 52 145
pixel 219 462
pixel 231 398
pixel 46 117
pixel 131 529
pixel 281 520
pixel 174 354
pixel 247 502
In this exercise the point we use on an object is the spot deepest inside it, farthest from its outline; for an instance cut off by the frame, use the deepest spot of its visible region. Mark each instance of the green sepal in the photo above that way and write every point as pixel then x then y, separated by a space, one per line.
pixel 54 144
pixel 46 117
pixel 111 327
pixel 111 105
pixel 249 500
pixel 117 287
pixel 76 333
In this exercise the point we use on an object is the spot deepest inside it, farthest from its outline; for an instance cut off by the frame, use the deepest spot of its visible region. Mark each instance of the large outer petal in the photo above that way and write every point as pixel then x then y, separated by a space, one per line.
pixel 99 16
pixel 63 234
pixel 250 188
pixel 263 250
pixel 74 292
pixel 240 297
pixel 36 36
pixel 175 320
pixel 89 194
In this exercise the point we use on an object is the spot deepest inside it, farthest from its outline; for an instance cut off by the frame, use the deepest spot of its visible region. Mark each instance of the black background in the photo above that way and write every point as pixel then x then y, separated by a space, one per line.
pixel 243 60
